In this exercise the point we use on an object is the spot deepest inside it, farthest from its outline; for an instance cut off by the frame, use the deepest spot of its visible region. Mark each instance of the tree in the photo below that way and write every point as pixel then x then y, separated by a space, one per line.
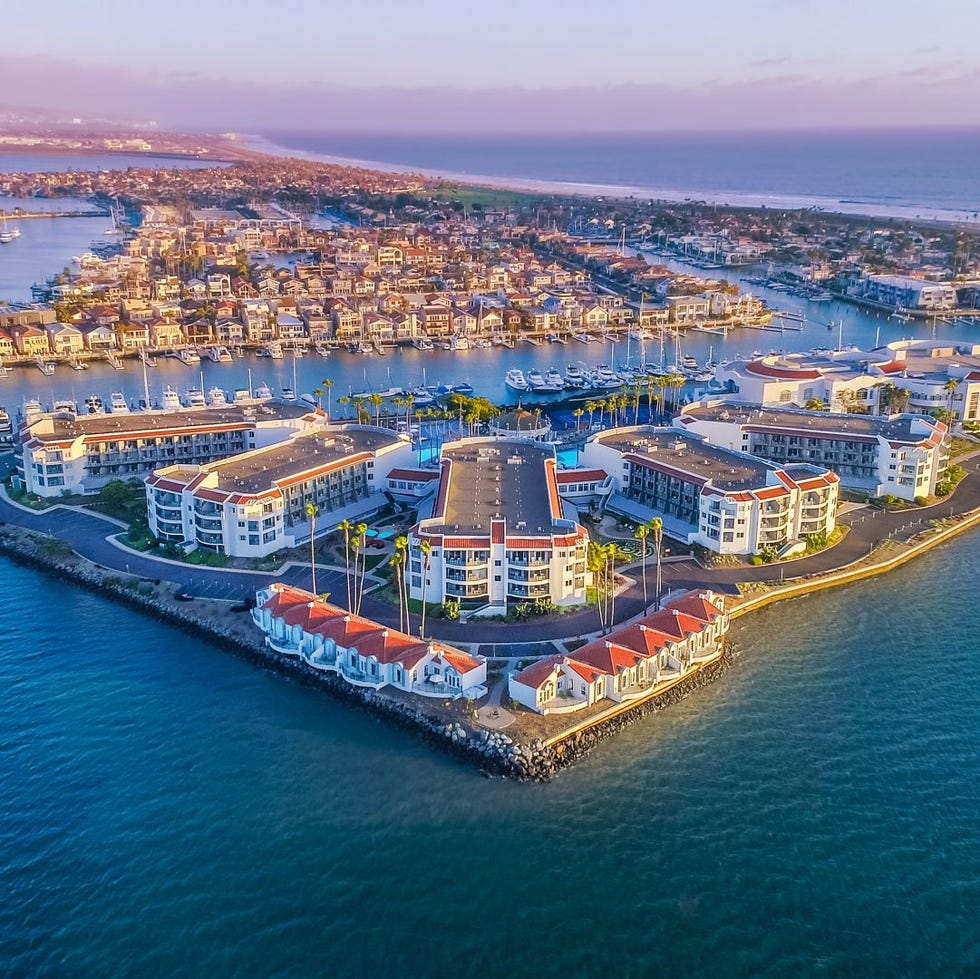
pixel 425 547
pixel 318 394
pixel 345 528
pixel 328 384
pixel 657 530
pixel 401 551
pixel 311 511
pixel 641 533
pixel 578 412
pixel 345 401
pixel 376 402
pixel 360 548
pixel 595 562
pixel 949 387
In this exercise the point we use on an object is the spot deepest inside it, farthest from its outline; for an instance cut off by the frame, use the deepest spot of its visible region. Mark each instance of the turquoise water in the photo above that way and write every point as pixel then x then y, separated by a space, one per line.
pixel 170 810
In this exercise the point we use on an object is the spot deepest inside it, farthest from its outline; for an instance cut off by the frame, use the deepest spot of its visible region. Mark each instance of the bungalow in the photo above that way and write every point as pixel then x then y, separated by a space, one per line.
pixel 365 654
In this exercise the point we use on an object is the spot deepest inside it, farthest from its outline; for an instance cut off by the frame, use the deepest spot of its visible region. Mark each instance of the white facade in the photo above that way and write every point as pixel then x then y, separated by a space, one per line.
pixel 497 532
pixel 361 652
pixel 904 455
pixel 254 504
pixel 729 502
pixel 65 453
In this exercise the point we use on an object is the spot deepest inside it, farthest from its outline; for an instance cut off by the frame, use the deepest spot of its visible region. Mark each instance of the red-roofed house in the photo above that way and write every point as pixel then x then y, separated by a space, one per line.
pixel 363 653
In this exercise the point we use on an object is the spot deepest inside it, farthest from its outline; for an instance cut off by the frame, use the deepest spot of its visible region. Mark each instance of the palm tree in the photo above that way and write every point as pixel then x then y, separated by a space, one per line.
pixel 425 547
pixel 345 401
pixel 376 401
pixel 401 552
pixel 611 554
pixel 641 533
pixel 345 528
pixel 311 511
pixel 318 393
pixel 578 413
pixel 328 384
pixel 657 530
pixel 595 562
pixel 590 407
pixel 949 387
pixel 360 547
pixel 677 381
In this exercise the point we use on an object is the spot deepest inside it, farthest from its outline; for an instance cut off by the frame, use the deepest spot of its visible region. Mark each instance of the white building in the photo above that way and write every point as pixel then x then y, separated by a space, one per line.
pixel 361 652
pixel 67 453
pixel 629 664
pixel 902 455
pixel 497 532
pixel 905 292
pixel 254 504
pixel 727 501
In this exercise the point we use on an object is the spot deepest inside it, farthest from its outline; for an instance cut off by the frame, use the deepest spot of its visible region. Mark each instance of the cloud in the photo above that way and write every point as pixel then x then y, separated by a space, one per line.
pixel 787 100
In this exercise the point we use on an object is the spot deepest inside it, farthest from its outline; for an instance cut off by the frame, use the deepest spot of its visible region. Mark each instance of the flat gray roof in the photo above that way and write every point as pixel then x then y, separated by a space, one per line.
pixel 671 447
pixel 833 425
pixel 497 479
pixel 67 426
pixel 256 472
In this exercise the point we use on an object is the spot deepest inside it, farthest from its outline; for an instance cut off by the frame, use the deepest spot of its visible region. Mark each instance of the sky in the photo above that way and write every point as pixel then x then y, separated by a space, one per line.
pixel 516 65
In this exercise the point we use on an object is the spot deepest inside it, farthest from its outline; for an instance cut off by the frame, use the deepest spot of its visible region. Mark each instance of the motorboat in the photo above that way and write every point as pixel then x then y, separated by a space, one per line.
pixel 220 355
pixel 6 426
pixel 194 398
pixel 421 343
pixel 93 405
pixel 189 357
pixel 288 394
pixel 217 397
pixel 60 406
pixel 118 404
pixel 170 401
pixel 575 377
pixel 535 380
pixel 263 392
pixel 554 379
pixel 515 380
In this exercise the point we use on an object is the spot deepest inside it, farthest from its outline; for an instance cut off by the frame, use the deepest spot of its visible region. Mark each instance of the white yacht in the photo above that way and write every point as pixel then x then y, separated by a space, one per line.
pixel 288 394
pixel 219 355
pixel 515 380
pixel 93 405
pixel 555 380
pixel 194 398
pixel 189 357
pixel 217 398
pixel 263 392
pixel 575 377
pixel 118 404
pixel 61 405
pixel 170 400
pixel 6 426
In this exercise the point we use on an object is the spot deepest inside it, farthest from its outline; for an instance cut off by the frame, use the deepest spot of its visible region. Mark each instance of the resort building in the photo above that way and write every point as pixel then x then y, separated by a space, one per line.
pixel 254 504
pixel 905 292
pixel 630 664
pixel 902 455
pixel 728 501
pixel 833 378
pixel 361 652
pixel 62 452
pixel 497 532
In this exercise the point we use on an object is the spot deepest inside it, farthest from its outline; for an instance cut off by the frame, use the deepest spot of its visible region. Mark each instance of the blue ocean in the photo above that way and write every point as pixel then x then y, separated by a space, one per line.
pixel 906 173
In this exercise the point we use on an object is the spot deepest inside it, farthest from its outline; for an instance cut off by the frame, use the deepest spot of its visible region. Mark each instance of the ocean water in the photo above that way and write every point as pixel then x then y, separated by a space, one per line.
pixel 905 173
pixel 169 809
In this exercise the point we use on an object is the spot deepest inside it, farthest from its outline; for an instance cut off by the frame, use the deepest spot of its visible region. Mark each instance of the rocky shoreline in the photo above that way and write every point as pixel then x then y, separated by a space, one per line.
pixel 495 753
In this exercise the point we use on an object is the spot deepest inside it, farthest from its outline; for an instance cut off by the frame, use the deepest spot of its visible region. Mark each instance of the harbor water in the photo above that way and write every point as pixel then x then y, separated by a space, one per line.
pixel 170 809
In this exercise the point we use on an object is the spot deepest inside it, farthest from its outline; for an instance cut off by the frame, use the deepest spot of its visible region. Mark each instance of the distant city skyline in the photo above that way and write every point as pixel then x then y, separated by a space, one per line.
pixel 627 65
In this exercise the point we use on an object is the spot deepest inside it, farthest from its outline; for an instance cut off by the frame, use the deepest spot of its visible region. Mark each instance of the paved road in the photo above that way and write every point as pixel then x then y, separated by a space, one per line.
pixel 87 534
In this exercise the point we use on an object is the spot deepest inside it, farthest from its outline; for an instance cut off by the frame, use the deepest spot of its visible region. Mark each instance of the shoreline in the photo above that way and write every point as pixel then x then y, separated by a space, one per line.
pixel 735 200
pixel 447 726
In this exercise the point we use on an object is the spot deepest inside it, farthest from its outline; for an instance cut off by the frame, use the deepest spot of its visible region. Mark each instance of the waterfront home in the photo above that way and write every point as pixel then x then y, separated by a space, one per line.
pixel 30 341
pixel 253 503
pixel 165 333
pixel 726 500
pixel 629 664
pixel 64 339
pixel 904 292
pixel 81 454
pixel 98 337
pixel 899 455
pixel 497 533
pixel 361 652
